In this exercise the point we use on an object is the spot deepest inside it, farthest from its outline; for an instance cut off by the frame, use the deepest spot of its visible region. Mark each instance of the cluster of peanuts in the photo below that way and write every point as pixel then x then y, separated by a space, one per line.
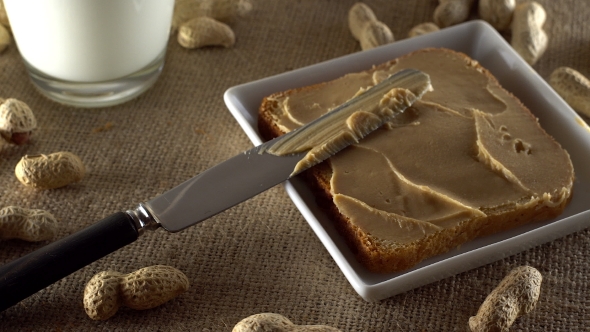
pixel 106 291
pixel 17 123
pixel 524 21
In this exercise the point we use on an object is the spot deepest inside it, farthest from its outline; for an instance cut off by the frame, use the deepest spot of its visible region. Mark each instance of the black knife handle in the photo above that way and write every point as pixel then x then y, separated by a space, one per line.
pixel 29 274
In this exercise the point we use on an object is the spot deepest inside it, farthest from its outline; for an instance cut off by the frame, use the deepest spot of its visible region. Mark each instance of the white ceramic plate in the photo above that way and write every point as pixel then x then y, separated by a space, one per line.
pixel 482 43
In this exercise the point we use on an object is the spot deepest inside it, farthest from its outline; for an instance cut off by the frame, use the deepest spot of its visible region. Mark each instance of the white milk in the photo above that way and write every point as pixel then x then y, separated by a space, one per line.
pixel 90 40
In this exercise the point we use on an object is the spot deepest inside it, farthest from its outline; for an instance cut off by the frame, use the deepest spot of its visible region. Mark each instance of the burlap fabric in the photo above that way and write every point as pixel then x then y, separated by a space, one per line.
pixel 260 256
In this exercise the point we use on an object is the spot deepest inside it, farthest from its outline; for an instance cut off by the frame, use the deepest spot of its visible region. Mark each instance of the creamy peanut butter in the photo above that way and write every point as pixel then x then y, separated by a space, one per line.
pixel 353 120
pixel 464 150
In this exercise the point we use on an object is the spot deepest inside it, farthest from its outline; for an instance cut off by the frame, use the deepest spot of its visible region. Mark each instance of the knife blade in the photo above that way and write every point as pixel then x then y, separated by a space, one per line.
pixel 207 194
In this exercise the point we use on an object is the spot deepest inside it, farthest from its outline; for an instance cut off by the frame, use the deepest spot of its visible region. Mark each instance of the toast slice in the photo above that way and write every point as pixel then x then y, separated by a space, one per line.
pixel 467 160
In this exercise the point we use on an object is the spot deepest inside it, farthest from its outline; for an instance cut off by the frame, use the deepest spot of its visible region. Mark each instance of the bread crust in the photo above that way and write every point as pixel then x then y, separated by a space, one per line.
pixel 378 255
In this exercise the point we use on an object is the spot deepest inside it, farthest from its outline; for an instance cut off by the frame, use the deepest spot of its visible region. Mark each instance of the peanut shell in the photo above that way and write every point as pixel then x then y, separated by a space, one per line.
pixel 143 289
pixel 276 323
pixel 49 171
pixel 26 224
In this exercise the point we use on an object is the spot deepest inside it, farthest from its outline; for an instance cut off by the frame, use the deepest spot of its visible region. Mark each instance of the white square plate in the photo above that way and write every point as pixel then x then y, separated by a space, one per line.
pixel 482 43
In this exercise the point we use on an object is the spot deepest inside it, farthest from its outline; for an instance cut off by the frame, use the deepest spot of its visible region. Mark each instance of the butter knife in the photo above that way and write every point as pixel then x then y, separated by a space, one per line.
pixel 197 199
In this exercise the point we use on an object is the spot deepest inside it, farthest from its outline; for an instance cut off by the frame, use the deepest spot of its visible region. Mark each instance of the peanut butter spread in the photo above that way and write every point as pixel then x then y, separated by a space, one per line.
pixel 353 120
pixel 466 149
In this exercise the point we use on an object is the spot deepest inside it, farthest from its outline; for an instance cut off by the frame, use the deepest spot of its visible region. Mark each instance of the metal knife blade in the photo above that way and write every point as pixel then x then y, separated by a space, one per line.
pixel 220 188
pixel 207 194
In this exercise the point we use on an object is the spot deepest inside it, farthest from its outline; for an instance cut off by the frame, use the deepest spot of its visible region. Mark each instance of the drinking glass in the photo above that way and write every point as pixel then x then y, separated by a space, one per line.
pixel 91 53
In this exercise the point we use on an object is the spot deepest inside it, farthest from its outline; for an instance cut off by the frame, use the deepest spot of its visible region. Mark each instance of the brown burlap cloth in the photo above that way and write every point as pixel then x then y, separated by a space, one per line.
pixel 260 256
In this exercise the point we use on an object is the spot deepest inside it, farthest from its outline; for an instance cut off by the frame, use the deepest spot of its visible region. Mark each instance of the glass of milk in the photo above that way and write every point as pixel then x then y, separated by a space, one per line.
pixel 91 53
